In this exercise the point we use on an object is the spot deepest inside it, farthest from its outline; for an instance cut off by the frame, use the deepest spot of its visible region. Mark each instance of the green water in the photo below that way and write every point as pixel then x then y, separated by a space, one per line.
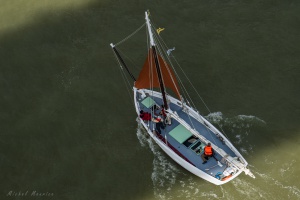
pixel 68 127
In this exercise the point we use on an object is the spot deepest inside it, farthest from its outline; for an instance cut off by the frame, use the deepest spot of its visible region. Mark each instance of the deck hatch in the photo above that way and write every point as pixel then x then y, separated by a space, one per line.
pixel 180 133
pixel 148 102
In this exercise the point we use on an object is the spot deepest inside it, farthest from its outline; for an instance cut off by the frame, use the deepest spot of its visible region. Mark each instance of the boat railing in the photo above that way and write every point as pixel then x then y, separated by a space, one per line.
pixel 231 161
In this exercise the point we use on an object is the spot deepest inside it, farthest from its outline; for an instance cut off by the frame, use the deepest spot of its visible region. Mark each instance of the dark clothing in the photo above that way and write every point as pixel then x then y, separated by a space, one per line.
pixel 159 126
pixel 163 112
pixel 205 157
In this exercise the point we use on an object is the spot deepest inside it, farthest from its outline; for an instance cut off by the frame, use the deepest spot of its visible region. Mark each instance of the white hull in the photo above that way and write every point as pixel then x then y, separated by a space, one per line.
pixel 181 131
pixel 175 156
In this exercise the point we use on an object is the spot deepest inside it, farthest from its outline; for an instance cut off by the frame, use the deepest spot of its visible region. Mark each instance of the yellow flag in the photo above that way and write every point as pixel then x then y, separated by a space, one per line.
pixel 159 30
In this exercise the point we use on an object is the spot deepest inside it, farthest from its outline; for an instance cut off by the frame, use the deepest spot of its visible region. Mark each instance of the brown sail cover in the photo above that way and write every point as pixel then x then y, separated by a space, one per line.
pixel 148 76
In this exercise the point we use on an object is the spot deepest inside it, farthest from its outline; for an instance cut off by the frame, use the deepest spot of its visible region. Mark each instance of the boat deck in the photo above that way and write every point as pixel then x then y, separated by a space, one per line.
pixel 177 137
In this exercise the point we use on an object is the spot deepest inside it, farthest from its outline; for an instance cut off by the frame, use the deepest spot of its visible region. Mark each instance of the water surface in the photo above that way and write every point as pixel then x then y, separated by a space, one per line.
pixel 68 126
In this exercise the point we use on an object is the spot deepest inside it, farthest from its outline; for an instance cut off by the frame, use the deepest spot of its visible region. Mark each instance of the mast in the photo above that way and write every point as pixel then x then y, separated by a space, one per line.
pixel 152 43
pixel 121 60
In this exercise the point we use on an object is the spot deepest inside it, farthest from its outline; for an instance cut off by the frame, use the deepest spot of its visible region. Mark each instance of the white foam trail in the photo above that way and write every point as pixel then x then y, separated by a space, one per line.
pixel 240 125
pixel 142 137
pixel 164 172
pixel 169 182
pixel 251 118
pixel 250 191
pixel 293 191
pixel 239 139
pixel 215 117
pixel 243 150
pixel 240 121
pixel 287 169
pixel 269 161
pixel 226 194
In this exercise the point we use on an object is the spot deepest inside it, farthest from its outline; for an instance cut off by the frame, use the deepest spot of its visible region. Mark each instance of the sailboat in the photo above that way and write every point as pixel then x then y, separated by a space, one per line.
pixel 170 120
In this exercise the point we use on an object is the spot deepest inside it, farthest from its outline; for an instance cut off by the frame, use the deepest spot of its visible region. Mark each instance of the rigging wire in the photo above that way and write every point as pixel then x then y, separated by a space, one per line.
pixel 127 84
pixel 185 92
pixel 163 52
pixel 193 88
pixel 128 58
pixel 160 47
pixel 129 36
pixel 150 74
pixel 191 85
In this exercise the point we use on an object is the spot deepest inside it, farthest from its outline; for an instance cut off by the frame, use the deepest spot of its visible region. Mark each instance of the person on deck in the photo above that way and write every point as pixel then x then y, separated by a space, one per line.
pixel 145 116
pixel 163 112
pixel 166 118
pixel 154 109
pixel 159 124
pixel 208 152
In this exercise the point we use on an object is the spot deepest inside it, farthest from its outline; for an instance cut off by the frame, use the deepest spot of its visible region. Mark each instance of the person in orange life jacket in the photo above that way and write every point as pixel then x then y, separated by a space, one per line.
pixel 145 116
pixel 159 124
pixel 208 152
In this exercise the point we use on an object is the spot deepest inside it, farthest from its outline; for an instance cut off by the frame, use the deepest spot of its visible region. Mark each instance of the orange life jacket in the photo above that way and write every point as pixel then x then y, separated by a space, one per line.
pixel 208 151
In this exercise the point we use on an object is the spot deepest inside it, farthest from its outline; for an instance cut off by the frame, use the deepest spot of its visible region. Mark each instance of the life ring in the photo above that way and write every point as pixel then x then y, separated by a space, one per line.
pixel 226 177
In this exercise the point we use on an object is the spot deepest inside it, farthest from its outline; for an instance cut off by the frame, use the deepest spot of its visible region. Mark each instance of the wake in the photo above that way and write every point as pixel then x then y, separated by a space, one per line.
pixel 170 181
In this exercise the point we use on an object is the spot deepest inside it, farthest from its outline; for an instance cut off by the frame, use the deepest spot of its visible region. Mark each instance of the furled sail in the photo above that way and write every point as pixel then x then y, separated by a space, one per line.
pixel 148 77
